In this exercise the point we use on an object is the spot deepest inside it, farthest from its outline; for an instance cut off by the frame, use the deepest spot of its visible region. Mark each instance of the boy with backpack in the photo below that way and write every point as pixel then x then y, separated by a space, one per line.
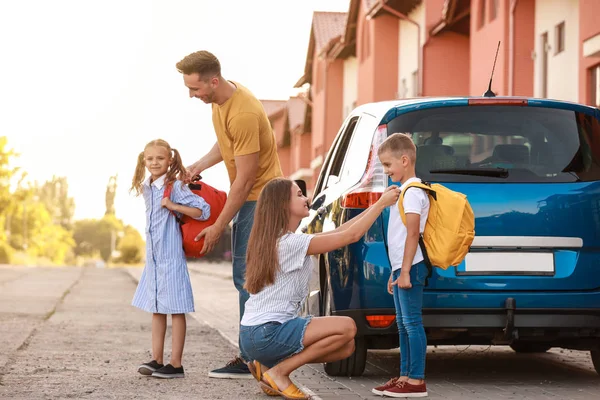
pixel 398 156
pixel 431 226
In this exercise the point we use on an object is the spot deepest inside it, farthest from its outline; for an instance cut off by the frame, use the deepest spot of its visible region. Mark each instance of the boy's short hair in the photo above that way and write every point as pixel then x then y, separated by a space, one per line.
pixel 400 144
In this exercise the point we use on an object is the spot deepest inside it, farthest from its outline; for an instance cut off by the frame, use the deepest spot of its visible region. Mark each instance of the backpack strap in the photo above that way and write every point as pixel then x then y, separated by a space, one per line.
pixel 424 186
pixel 427 187
pixel 425 259
pixel 168 190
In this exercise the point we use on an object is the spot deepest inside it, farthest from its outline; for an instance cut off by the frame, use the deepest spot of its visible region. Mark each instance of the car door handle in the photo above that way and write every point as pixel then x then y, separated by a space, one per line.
pixel 321 211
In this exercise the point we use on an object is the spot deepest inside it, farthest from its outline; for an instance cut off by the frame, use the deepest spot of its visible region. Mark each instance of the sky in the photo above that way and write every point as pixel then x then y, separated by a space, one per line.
pixel 85 84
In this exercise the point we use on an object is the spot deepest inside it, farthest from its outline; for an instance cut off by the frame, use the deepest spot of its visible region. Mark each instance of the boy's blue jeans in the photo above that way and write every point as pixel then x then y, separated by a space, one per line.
pixel 240 233
pixel 409 306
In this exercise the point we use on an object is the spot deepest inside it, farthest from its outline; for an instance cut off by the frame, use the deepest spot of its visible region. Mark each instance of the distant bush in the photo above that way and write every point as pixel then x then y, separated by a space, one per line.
pixel 131 247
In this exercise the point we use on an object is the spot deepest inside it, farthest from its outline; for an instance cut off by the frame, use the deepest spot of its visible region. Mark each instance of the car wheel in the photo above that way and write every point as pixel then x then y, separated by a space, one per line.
pixel 353 365
pixel 530 347
pixel 596 360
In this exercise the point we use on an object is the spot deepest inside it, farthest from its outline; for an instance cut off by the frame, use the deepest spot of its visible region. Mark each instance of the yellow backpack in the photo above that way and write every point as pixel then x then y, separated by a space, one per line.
pixel 450 227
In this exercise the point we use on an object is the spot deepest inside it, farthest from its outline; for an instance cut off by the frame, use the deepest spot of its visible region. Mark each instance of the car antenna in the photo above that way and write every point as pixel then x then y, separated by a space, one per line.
pixel 489 92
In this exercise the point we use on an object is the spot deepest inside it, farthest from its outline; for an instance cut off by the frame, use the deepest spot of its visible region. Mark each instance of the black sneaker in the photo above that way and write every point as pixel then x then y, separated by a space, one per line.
pixel 168 372
pixel 235 369
pixel 149 367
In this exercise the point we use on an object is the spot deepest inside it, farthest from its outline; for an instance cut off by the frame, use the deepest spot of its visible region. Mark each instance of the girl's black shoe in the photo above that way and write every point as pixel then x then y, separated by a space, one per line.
pixel 149 367
pixel 168 372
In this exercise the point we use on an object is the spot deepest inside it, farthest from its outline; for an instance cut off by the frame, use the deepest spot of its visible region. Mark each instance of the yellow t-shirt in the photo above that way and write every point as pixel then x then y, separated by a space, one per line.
pixel 242 128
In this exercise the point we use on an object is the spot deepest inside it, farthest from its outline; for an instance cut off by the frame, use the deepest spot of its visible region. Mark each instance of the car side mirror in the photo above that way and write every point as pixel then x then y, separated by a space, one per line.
pixel 317 203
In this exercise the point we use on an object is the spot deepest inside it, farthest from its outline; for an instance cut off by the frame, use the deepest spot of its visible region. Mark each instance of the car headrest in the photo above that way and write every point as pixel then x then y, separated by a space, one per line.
pixel 517 153
pixel 432 150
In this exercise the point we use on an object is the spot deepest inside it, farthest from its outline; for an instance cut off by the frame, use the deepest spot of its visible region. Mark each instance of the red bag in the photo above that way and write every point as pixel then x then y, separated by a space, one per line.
pixel 190 227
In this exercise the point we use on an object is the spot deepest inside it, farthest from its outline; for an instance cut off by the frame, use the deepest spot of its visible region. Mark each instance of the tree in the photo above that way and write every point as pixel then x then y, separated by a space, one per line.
pixel 6 174
pixel 36 218
pixel 54 194
pixel 111 190
pixel 32 229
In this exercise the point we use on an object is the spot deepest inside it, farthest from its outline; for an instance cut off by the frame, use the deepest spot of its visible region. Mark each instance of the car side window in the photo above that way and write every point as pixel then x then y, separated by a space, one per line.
pixel 322 180
pixel 337 161
pixel 357 153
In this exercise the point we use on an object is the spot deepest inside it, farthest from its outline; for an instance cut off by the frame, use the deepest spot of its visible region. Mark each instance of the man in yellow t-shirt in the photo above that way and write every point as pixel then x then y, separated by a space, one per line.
pixel 245 142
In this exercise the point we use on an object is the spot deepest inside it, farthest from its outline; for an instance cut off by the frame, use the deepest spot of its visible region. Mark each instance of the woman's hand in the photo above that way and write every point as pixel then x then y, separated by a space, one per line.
pixel 390 286
pixel 390 196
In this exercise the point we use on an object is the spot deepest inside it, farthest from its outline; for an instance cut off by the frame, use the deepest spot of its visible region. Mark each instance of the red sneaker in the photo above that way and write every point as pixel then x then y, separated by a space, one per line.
pixel 405 389
pixel 389 384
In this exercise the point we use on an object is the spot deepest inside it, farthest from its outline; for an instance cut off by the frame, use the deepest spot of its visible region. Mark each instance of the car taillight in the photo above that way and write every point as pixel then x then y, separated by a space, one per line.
pixel 374 180
pixel 380 321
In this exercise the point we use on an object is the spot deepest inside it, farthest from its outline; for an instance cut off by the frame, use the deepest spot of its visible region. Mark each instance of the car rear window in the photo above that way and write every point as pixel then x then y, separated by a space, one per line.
pixel 503 144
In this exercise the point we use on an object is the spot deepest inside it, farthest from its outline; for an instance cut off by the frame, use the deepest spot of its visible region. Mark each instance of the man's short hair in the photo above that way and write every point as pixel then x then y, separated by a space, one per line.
pixel 399 144
pixel 203 63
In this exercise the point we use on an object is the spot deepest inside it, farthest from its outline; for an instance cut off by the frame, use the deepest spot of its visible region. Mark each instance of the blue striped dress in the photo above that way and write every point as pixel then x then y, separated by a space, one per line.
pixel 165 286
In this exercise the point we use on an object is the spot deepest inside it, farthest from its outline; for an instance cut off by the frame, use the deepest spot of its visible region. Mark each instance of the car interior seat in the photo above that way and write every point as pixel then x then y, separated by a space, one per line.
pixel 512 153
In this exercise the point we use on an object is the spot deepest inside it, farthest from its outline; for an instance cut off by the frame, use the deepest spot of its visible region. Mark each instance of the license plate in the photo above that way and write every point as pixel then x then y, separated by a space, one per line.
pixel 509 263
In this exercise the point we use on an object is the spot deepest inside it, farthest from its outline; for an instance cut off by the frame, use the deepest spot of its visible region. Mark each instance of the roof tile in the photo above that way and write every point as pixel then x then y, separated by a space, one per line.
pixel 328 26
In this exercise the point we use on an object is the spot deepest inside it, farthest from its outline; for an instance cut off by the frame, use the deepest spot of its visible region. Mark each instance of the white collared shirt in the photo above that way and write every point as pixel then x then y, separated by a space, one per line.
pixel 158 183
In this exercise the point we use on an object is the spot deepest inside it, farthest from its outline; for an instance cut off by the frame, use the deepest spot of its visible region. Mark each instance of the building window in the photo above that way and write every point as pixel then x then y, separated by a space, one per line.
pixel 493 9
pixel 415 83
pixel 403 89
pixel 559 34
pixel 595 86
pixel 365 45
pixel 320 74
pixel 482 12
pixel 544 65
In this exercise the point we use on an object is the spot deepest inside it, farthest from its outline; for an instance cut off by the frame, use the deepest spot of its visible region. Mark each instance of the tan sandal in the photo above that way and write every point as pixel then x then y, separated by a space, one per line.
pixel 290 393
pixel 256 370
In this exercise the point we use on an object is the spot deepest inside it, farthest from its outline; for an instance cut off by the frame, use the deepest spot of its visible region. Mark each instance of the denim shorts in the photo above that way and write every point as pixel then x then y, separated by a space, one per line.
pixel 273 342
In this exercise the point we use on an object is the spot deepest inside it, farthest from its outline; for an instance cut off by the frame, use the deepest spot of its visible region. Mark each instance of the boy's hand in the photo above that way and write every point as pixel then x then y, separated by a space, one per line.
pixel 390 286
pixel 167 203
pixel 403 280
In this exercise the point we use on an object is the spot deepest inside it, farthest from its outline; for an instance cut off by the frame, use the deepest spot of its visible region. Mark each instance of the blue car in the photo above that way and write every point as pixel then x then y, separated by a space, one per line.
pixel 531 171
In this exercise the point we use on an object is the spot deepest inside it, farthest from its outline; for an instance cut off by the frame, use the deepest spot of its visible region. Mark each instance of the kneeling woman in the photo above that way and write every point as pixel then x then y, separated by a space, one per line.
pixel 278 269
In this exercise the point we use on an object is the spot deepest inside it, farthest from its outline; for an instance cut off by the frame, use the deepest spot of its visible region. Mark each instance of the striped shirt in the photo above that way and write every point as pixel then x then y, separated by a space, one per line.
pixel 282 301
pixel 165 286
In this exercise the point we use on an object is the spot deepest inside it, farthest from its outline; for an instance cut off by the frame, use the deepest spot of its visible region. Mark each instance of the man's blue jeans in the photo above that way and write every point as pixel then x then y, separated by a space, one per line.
pixel 240 233
pixel 409 306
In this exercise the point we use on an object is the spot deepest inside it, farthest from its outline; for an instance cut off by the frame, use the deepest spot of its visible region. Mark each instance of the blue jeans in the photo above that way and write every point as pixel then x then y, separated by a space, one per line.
pixel 409 306
pixel 240 233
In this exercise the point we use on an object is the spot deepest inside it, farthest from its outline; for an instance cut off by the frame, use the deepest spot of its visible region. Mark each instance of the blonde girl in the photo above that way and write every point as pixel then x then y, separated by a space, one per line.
pixel 165 287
